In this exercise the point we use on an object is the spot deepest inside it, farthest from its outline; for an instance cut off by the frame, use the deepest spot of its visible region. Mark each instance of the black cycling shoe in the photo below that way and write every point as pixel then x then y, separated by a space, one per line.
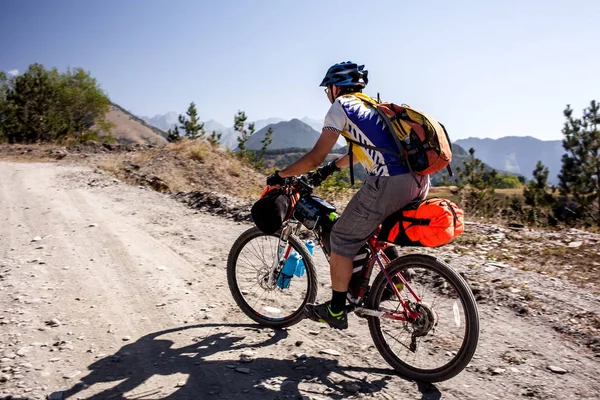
pixel 322 313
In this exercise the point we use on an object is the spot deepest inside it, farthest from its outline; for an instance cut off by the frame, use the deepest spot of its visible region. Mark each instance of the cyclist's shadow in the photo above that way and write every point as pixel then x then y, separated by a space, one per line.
pixel 137 362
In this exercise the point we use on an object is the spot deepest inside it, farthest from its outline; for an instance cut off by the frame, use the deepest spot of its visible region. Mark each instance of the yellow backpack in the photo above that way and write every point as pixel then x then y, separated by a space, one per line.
pixel 422 141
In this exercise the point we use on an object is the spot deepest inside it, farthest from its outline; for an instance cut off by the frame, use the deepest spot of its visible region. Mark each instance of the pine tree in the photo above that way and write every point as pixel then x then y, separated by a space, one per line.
pixel 173 134
pixel 538 198
pixel 515 208
pixel 259 160
pixel 4 107
pixel 239 124
pixel 214 138
pixel 33 98
pixel 475 187
pixel 579 179
pixel 191 126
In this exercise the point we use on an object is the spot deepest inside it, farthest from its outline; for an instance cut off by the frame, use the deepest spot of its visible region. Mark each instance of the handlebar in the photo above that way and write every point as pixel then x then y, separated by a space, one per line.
pixel 301 183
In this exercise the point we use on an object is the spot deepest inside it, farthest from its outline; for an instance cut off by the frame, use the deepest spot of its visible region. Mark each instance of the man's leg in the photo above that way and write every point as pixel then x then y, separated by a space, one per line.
pixel 358 221
pixel 341 273
pixel 376 199
pixel 333 312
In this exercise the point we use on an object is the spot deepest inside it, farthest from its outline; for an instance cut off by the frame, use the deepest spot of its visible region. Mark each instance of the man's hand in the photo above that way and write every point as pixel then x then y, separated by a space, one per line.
pixel 323 172
pixel 275 180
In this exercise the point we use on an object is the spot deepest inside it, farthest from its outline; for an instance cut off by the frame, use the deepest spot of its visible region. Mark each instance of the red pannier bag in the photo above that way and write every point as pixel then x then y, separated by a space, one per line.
pixel 429 223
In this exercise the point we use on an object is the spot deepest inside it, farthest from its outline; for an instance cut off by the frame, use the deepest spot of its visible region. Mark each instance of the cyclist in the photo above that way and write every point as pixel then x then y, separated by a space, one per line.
pixel 389 186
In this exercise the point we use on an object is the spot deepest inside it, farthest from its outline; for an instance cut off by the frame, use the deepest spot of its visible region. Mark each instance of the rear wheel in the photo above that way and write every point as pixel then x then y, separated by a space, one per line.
pixel 253 284
pixel 442 341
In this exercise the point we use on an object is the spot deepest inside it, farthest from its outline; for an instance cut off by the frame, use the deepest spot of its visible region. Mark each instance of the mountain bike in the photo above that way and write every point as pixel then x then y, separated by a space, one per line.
pixel 421 314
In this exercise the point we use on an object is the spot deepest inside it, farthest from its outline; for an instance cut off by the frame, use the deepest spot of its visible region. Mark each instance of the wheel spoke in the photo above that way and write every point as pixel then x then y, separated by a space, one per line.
pixel 258 253
pixel 442 307
pixel 253 264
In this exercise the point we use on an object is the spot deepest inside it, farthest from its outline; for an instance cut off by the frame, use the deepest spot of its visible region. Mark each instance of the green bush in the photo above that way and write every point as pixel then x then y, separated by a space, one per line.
pixel 44 105
pixel 508 181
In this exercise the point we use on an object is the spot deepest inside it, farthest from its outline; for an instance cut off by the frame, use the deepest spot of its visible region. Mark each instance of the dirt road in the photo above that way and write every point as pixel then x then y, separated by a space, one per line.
pixel 109 291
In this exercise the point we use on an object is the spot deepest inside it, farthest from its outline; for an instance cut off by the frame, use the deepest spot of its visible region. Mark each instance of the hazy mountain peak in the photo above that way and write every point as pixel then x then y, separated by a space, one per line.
pixel 518 154
pixel 316 124
pixel 163 121
pixel 261 123
pixel 286 134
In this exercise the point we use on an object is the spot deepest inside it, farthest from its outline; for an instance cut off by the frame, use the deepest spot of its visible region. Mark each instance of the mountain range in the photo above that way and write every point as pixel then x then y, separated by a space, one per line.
pixel 518 154
pixel 163 121
pixel 513 154
pixel 286 134
pixel 229 136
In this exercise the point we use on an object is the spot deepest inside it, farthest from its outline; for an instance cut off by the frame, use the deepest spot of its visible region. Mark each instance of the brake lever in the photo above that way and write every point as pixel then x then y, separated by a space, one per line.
pixel 303 181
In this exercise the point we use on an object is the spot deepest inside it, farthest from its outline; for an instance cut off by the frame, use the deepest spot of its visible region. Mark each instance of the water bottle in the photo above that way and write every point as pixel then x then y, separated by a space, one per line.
pixel 283 281
pixel 301 268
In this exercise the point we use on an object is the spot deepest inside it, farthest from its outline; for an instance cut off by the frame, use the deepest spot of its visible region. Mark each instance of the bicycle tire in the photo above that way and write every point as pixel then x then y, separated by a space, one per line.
pixel 469 345
pixel 298 246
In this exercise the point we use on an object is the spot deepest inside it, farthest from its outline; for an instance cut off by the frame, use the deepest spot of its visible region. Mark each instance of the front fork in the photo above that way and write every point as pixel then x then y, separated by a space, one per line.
pixel 283 250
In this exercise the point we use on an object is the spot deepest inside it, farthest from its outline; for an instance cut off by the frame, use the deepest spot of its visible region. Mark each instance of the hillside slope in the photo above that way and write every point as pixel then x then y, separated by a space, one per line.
pixel 131 129
pixel 186 166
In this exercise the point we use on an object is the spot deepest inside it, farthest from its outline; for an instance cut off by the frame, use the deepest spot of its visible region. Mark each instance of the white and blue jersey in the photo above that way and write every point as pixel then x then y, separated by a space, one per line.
pixel 358 121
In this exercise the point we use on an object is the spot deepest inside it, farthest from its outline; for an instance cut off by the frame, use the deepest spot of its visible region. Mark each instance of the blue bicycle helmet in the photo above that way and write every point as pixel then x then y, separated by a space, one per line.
pixel 346 74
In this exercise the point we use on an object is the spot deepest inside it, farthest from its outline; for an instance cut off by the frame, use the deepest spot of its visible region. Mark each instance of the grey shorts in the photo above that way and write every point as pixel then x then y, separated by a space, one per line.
pixel 379 197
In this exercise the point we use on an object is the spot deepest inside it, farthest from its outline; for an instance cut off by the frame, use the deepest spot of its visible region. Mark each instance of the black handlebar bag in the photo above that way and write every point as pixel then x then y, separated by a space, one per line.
pixel 269 212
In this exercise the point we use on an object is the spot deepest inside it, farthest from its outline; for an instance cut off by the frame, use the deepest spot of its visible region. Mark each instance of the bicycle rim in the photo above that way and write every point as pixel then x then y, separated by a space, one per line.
pixel 443 339
pixel 259 292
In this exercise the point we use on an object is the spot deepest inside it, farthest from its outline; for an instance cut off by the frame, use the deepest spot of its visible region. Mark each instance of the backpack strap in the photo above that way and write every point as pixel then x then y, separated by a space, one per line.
pixel 390 126
pixel 352 142
pixel 351 160
pixel 448 167
pixel 417 221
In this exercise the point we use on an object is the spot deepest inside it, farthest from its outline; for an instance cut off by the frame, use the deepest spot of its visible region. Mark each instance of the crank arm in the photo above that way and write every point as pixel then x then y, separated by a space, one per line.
pixel 381 313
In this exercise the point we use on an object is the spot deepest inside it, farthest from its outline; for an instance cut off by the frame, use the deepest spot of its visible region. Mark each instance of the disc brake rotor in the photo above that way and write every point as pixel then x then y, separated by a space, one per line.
pixel 263 277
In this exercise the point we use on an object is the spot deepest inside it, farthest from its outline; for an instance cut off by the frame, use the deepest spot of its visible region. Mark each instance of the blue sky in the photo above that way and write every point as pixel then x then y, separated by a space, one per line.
pixel 483 68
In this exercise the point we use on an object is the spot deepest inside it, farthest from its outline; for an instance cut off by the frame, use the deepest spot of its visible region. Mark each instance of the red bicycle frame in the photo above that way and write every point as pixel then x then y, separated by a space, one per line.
pixel 376 246
pixel 408 315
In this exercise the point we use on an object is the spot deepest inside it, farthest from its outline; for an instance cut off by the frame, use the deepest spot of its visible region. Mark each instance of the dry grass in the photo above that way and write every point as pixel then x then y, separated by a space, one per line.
pixel 441 191
pixel 469 239
pixel 235 170
pixel 579 265
pixel 185 166
pixel 113 164
pixel 339 198
pixel 27 152
pixel 198 151
pixel 510 192
pixel 446 192
pixel 143 157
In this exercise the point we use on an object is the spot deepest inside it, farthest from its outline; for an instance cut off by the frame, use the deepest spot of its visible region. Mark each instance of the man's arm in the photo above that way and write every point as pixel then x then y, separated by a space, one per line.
pixel 314 157
pixel 344 161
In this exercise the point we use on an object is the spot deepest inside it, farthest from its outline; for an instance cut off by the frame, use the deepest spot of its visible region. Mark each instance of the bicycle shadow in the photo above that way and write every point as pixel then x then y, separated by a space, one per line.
pixel 265 378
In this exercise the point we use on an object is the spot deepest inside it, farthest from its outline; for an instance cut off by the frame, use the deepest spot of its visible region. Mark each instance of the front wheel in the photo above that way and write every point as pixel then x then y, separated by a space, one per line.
pixel 253 280
pixel 440 343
